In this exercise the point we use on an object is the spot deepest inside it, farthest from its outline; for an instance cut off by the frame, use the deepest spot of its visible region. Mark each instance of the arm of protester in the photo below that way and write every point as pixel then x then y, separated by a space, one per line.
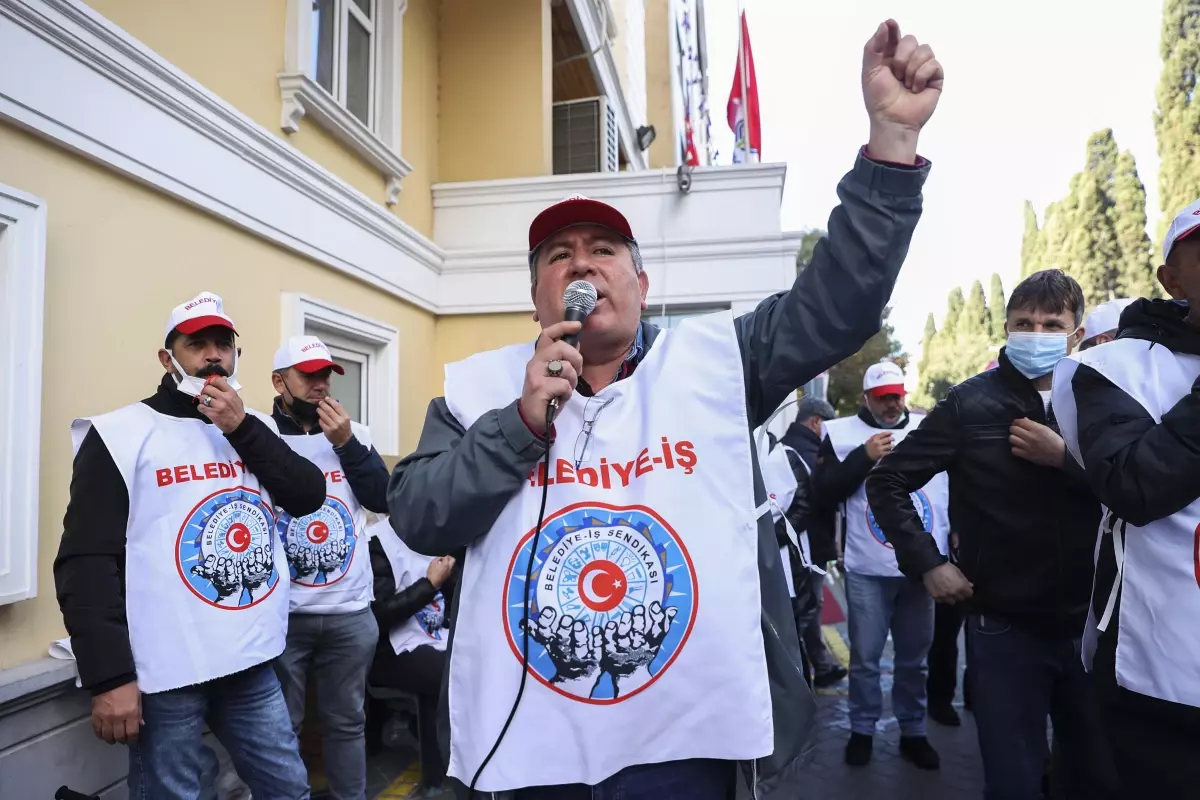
pixel 833 480
pixel 920 455
pixel 451 490
pixel 837 301
pixel 1142 470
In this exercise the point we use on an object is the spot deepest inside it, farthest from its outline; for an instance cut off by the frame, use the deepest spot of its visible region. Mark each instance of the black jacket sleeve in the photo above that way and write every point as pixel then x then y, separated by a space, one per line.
pixel 835 480
pixel 800 509
pixel 366 473
pixel 919 456
pixel 295 484
pixel 391 607
pixel 89 572
pixel 1141 470
pixel 836 303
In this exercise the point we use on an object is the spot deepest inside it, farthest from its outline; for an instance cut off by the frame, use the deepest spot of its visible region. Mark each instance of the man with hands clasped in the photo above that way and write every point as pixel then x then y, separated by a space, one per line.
pixel 879 598
pixel 331 631
pixel 654 498
pixel 1026 522
pixel 169 578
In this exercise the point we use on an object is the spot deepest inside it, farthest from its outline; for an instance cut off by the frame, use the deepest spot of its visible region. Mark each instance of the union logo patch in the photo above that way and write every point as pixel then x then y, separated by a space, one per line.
pixel 924 509
pixel 612 603
pixel 224 551
pixel 320 546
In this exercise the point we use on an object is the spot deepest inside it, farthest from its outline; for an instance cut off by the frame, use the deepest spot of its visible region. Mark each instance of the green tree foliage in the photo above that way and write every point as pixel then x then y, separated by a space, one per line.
pixel 1031 243
pixel 971 332
pixel 1097 233
pixel 845 379
pixel 1177 119
pixel 996 303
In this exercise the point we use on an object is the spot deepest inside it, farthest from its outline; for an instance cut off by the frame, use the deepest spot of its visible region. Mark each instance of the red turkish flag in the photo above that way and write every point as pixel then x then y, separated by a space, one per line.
pixel 743 120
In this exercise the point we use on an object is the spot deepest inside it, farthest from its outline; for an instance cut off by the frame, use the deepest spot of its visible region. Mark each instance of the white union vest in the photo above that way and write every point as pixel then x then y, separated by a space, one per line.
pixel 1158 566
pixel 426 628
pixel 867 550
pixel 645 643
pixel 203 591
pixel 330 568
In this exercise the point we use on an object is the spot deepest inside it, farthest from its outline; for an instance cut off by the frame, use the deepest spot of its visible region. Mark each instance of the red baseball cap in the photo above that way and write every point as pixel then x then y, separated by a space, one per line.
pixel 883 379
pixel 577 210
pixel 205 310
pixel 307 354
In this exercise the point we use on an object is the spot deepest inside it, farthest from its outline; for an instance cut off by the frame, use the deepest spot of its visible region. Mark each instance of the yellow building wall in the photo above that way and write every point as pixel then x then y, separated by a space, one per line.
pixel 658 83
pixel 234 48
pixel 496 89
pixel 106 234
pixel 463 335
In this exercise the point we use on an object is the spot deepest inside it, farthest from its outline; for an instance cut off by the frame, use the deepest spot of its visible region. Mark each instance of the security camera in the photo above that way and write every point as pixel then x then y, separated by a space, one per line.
pixel 683 179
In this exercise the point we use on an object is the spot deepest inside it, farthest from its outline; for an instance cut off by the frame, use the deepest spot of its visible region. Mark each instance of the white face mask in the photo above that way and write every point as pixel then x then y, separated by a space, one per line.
pixel 193 386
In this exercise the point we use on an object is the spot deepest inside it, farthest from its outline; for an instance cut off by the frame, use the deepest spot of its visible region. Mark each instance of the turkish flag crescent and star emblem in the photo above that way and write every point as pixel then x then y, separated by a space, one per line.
pixel 743 121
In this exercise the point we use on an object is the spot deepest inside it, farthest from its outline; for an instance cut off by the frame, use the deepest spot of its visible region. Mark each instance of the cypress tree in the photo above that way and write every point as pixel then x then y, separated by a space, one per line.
pixel 1136 272
pixel 1177 119
pixel 996 309
pixel 1031 245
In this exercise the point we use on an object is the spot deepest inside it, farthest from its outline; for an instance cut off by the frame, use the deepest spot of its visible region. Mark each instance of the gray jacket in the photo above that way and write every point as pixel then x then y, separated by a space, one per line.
pixel 452 489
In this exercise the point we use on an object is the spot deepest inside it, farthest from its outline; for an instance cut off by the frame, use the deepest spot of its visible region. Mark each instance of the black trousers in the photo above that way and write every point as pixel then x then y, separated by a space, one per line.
pixel 942 683
pixel 418 672
pixel 1154 742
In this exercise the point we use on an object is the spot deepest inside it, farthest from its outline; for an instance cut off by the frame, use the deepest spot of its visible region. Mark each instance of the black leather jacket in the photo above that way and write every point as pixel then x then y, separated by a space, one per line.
pixel 1026 531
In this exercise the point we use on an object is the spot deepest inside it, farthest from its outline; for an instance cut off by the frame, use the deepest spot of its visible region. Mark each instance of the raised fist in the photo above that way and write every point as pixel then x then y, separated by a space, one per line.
pixel 332 555
pixel 632 642
pixel 256 567
pixel 223 573
pixel 571 647
pixel 302 560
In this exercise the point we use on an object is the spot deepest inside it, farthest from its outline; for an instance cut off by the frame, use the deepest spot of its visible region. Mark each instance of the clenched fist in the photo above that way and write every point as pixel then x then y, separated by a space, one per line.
pixel 902 83
pixel 879 446
pixel 117 714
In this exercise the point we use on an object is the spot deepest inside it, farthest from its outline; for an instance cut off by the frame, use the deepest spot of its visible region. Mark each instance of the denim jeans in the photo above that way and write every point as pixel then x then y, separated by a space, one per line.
pixel 247 714
pixel 337 649
pixel 1018 678
pixel 876 605
pixel 695 779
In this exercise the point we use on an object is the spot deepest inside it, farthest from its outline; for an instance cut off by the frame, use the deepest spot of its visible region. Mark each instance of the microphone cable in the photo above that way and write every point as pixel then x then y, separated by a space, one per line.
pixel 537 534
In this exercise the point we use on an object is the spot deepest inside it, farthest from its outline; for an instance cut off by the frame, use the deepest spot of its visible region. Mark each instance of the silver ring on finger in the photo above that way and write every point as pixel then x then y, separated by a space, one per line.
pixel 207 400
pixel 554 368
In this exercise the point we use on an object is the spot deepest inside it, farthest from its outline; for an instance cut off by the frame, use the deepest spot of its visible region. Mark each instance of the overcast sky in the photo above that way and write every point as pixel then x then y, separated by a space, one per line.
pixel 1027 82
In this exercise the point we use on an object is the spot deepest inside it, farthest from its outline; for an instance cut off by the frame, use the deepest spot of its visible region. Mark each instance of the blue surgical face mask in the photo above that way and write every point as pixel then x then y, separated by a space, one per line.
pixel 1035 354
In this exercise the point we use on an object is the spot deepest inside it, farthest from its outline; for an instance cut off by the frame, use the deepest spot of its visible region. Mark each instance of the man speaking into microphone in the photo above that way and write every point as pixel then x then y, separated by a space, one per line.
pixel 654 627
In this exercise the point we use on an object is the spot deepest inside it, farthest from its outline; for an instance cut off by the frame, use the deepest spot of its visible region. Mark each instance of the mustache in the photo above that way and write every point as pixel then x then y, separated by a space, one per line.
pixel 211 369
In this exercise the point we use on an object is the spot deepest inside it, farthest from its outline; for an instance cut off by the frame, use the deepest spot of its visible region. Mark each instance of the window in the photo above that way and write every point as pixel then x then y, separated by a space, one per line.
pixel 22 274
pixel 343 53
pixel 342 68
pixel 368 351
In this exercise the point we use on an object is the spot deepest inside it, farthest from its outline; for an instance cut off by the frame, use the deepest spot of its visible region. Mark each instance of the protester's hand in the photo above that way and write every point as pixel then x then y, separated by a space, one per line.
pixel 117 714
pixel 573 650
pixel 221 404
pixel 335 422
pixel 632 642
pixel 1037 443
pixel 879 446
pixel 439 569
pixel 946 584
pixel 540 387
pixel 902 82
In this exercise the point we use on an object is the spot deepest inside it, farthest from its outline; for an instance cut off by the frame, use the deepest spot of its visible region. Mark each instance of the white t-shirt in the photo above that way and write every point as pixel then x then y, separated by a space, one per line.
pixel 1045 400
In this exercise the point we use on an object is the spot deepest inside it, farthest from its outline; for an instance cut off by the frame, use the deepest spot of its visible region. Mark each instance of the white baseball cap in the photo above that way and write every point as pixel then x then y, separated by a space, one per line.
pixel 1184 225
pixel 205 310
pixel 1104 317
pixel 307 354
pixel 884 378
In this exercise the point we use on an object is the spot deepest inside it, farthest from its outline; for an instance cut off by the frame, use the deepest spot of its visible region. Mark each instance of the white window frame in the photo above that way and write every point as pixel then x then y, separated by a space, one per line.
pixel 378 142
pixel 347 350
pixel 340 327
pixel 22 305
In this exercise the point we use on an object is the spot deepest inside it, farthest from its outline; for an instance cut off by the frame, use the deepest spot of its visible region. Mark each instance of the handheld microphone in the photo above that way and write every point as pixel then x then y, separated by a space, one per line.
pixel 579 300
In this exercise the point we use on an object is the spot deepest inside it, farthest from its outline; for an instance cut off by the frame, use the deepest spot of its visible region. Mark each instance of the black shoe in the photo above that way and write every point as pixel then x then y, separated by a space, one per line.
pixel 829 677
pixel 920 752
pixel 944 714
pixel 858 749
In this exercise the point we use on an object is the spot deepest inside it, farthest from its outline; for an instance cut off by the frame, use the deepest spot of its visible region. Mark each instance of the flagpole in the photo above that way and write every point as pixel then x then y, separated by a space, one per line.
pixel 742 73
